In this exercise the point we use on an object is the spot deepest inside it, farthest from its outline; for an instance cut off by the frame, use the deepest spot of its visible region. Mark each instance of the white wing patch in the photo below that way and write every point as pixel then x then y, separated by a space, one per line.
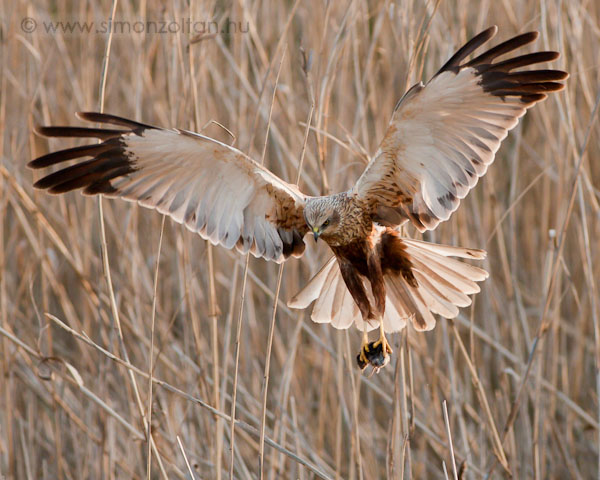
pixel 204 185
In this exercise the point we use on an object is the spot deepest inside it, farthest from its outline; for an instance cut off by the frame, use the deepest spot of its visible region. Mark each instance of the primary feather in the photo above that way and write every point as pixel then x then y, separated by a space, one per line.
pixel 213 189
pixel 445 134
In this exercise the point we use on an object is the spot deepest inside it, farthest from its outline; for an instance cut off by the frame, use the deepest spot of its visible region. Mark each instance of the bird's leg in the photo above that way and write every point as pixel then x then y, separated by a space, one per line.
pixel 357 290
pixel 377 354
pixel 380 351
pixel 383 344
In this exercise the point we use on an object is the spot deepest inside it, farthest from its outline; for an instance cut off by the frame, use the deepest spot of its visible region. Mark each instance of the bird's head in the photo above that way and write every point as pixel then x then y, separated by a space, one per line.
pixel 321 217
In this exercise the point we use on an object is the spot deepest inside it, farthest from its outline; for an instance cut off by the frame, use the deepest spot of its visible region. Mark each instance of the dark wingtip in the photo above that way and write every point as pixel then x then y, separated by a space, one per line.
pixel 530 37
pixel 43 184
pixel 553 86
pixel 554 75
pixel 463 52
pixel 483 36
pixel 489 32
pixel 79 132
pixel 533 98
pixel 86 115
pixel 42 130
pixel 503 48
pixel 39 185
pixel 99 117
pixel 60 156
pixel 91 116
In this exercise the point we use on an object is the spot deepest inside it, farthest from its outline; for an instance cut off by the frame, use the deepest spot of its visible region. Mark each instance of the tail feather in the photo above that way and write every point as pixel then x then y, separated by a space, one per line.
pixel 447 250
pixel 312 290
pixel 443 288
pixel 345 310
pixel 396 316
pixel 443 271
pixel 422 318
pixel 323 306
pixel 334 304
pixel 429 257
pixel 438 304
pixel 443 285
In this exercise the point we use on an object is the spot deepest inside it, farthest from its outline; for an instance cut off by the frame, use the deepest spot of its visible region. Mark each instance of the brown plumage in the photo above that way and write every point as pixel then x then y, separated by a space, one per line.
pixel 442 137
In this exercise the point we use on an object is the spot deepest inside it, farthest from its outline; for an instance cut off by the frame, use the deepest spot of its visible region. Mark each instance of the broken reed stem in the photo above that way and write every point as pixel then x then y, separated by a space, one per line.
pixel 187 462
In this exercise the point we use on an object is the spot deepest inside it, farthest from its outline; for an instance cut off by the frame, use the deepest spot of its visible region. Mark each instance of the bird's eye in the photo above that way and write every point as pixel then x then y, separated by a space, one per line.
pixel 325 223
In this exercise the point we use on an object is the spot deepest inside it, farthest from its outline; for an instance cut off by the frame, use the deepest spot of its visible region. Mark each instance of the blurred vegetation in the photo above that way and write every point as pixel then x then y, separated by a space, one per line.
pixel 70 410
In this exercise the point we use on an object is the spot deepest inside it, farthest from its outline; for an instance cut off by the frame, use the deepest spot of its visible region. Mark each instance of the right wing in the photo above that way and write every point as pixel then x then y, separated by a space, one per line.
pixel 210 187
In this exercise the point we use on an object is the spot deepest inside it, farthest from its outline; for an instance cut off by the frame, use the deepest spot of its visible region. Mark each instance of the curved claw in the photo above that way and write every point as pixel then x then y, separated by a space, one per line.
pixel 377 354
pixel 361 360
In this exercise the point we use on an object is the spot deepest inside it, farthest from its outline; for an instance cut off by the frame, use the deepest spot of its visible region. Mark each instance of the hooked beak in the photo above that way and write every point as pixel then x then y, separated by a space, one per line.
pixel 316 233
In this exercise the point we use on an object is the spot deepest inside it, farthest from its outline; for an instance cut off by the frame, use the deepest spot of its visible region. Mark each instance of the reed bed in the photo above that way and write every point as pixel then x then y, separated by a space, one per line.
pixel 510 387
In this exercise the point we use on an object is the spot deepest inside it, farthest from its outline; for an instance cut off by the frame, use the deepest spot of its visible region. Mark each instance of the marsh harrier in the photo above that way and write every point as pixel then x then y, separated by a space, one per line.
pixel 441 139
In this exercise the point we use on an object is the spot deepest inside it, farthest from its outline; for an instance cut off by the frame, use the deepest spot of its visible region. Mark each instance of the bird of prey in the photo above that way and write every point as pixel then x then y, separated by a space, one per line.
pixel 442 137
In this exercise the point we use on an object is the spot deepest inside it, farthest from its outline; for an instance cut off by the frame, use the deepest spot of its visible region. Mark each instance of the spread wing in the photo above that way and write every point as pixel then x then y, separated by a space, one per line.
pixel 210 187
pixel 444 135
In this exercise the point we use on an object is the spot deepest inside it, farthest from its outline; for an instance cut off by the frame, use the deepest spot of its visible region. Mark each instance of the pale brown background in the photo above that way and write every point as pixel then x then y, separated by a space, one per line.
pixel 319 407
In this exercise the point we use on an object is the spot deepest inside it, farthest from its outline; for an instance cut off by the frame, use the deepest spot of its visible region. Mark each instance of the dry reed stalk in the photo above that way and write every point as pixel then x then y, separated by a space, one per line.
pixel 524 357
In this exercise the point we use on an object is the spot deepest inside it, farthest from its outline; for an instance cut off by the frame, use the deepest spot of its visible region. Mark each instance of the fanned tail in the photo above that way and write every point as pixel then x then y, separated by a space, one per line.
pixel 443 285
pixel 334 303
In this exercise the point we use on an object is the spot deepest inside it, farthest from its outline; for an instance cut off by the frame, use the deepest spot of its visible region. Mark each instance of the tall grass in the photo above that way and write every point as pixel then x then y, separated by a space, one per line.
pixel 510 386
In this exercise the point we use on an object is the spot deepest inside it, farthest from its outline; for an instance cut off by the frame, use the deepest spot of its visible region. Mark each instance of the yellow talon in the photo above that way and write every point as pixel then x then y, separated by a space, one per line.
pixel 362 358
pixel 377 354
pixel 385 346
pixel 387 350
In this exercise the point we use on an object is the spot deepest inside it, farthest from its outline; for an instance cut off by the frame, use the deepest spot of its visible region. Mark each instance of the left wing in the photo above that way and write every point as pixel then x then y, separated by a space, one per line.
pixel 210 187
pixel 444 135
